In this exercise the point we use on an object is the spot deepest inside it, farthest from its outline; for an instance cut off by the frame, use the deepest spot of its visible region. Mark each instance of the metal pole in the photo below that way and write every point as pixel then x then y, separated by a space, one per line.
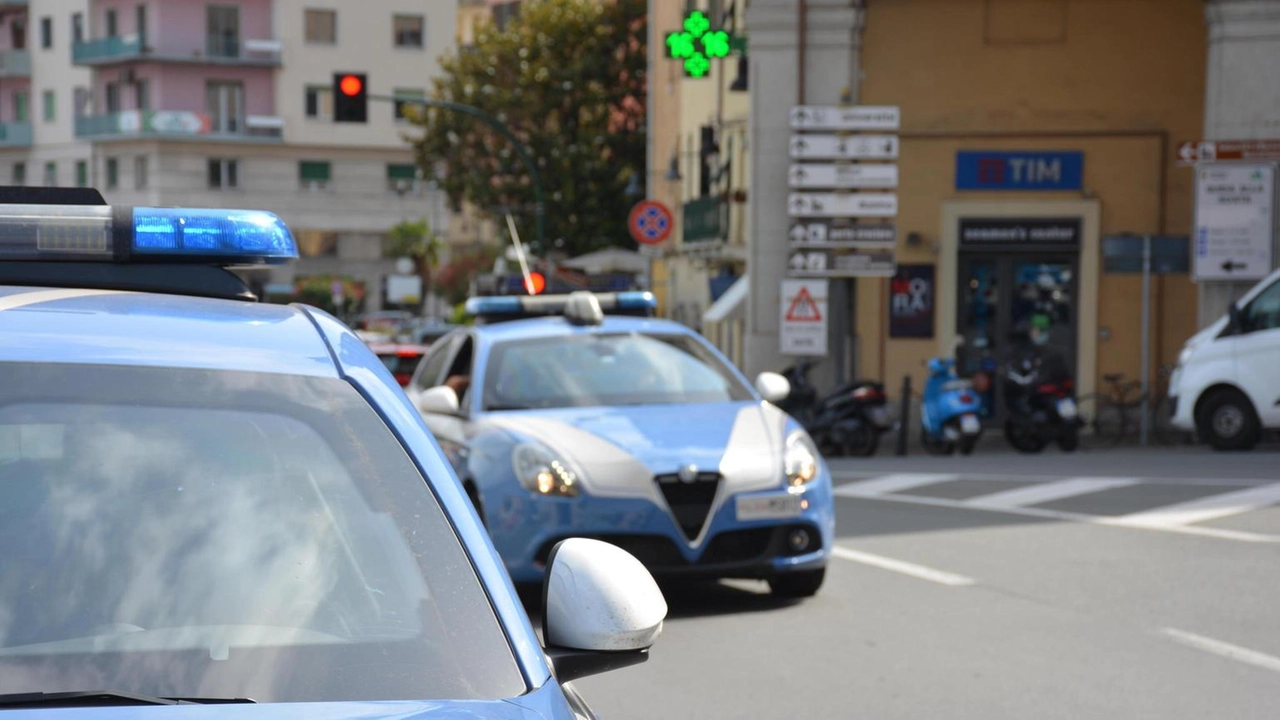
pixel 1146 339
pixel 539 208
pixel 904 417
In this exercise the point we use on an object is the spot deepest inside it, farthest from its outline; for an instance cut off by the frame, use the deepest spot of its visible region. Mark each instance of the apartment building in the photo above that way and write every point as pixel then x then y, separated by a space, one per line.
pixel 228 104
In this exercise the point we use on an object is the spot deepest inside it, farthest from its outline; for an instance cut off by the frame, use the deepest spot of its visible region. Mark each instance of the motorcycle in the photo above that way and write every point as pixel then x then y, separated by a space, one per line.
pixel 1040 399
pixel 949 411
pixel 848 421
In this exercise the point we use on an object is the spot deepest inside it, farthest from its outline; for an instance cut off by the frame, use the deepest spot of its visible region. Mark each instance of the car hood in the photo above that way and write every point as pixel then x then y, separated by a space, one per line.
pixel 620 449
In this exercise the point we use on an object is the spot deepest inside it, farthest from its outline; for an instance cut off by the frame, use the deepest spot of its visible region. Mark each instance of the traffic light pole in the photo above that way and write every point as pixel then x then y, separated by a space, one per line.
pixel 539 209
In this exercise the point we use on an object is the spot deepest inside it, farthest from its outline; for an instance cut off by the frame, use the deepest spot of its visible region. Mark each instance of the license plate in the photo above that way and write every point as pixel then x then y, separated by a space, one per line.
pixel 879 416
pixel 770 507
pixel 1067 409
pixel 969 424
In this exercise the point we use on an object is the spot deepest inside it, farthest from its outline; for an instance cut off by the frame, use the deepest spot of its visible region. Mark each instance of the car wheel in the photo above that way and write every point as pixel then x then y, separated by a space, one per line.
pixel 801 584
pixel 1227 421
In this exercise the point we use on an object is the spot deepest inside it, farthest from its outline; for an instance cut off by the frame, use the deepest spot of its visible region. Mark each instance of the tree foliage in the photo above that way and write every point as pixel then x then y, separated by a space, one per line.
pixel 568 78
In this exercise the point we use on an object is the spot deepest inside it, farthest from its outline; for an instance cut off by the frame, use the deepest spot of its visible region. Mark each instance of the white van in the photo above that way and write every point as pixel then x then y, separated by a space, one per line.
pixel 1227 384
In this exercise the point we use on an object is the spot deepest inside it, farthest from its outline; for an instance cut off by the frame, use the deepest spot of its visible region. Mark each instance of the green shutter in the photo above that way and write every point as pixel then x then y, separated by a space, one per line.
pixel 397 171
pixel 313 171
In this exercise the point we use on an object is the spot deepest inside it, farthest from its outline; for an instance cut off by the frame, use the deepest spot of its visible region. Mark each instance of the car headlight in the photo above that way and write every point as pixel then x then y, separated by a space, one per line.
pixel 800 459
pixel 539 470
pixel 1184 357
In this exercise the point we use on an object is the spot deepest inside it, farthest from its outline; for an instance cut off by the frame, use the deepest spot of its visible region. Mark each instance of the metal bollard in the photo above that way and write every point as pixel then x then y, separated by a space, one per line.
pixel 904 418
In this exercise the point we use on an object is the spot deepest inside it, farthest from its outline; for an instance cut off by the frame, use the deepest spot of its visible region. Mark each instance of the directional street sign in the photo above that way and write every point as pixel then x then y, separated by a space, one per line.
pixel 1194 151
pixel 835 147
pixel 822 233
pixel 843 204
pixel 826 176
pixel 1235 216
pixel 861 117
pixel 831 263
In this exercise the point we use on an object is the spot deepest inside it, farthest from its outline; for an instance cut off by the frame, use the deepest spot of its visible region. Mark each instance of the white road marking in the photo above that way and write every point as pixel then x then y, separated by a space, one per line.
pixel 1080 518
pixel 916 571
pixel 1223 649
pixel 1046 492
pixel 1206 508
pixel 10 302
pixel 883 484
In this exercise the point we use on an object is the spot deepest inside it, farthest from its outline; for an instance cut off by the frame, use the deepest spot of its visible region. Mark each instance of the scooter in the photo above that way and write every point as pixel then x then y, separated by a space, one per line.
pixel 949 411
pixel 848 421
pixel 1040 399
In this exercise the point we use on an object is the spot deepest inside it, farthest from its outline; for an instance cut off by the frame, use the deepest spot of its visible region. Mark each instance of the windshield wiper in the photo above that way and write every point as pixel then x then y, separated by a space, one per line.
pixel 101 698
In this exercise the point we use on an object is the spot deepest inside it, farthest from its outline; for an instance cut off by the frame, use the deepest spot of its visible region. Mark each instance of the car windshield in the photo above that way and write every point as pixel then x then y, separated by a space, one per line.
pixel 195 533
pixel 596 369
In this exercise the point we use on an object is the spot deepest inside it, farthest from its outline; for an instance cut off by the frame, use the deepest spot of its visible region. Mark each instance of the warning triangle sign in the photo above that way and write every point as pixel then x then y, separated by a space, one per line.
pixel 803 308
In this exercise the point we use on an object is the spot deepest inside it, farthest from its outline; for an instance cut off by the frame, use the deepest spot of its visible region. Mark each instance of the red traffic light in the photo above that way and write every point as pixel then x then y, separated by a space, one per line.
pixel 350 85
pixel 535 283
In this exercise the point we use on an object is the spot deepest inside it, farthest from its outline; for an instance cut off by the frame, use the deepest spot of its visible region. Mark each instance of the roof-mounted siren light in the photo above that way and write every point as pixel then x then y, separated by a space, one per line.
pixel 583 308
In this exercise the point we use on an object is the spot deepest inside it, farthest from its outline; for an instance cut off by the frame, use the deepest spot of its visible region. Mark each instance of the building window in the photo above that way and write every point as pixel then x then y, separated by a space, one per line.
pixel 224 101
pixel 142 90
pixel 113 173
pixel 46 32
pixel 82 101
pixel 21 111
pixel 223 27
pixel 223 173
pixel 140 172
pixel 406 93
pixel 50 105
pixel 319 102
pixel 314 174
pixel 18 33
pixel 113 98
pixel 77 28
pixel 140 19
pixel 402 177
pixel 113 26
pixel 51 174
pixel 321 26
pixel 19 173
pixel 82 173
pixel 407 30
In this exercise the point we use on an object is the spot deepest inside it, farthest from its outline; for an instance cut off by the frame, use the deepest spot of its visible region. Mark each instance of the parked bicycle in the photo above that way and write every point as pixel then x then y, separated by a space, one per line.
pixel 1114 416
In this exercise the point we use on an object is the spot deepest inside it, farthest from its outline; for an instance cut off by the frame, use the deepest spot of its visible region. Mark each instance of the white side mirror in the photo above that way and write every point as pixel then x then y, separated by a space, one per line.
pixel 439 400
pixel 603 608
pixel 772 386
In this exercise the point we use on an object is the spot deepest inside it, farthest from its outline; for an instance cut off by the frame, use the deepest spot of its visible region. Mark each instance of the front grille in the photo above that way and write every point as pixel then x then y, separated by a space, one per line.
pixel 738 545
pixel 651 550
pixel 690 502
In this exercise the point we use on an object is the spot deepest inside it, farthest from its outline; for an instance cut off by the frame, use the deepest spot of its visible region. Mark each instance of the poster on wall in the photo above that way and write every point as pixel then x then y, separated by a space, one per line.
pixel 911 302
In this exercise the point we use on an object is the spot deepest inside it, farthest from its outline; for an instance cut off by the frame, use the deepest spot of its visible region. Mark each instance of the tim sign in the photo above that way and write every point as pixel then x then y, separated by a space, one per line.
pixel 1018 170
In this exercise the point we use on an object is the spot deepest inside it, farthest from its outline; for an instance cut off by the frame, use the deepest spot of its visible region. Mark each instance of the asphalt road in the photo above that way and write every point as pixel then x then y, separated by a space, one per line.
pixel 1123 584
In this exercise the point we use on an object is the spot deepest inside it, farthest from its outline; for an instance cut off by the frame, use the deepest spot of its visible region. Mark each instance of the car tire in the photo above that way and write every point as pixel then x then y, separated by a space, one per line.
pixel 1226 421
pixel 795 585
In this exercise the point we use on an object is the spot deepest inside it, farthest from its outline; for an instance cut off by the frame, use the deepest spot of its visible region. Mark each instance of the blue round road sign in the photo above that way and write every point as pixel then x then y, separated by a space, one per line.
pixel 650 222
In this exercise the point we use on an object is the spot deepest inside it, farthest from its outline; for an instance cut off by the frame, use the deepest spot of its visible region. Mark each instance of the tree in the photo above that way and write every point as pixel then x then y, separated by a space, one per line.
pixel 568 77
pixel 454 279
pixel 416 241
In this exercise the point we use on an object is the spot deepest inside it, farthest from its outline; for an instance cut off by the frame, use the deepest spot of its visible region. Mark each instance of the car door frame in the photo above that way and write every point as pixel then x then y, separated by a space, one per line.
pixel 451 430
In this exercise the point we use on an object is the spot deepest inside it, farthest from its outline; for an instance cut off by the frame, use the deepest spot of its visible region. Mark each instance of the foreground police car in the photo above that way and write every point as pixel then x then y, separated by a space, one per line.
pixel 568 416
pixel 208 500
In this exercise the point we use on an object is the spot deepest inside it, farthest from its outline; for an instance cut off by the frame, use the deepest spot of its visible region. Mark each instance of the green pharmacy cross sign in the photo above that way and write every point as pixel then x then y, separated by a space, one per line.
pixel 696 44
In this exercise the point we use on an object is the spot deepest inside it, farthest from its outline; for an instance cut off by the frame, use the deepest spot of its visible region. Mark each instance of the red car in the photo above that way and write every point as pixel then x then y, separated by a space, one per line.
pixel 400 358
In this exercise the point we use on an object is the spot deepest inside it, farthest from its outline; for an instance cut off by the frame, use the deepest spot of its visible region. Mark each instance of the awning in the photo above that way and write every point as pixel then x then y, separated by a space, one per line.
pixel 732 304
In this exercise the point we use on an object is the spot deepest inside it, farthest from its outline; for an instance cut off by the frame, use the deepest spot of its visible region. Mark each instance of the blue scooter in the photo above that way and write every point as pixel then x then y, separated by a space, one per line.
pixel 949 411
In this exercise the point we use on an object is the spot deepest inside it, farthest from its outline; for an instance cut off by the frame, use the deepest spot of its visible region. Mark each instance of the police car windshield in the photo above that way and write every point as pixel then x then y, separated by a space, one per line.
pixel 618 369
pixel 196 533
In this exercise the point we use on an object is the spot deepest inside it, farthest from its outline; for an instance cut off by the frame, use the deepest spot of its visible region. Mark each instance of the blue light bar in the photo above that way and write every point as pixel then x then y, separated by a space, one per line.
pixel 502 305
pixel 121 234
pixel 634 300
pixel 515 306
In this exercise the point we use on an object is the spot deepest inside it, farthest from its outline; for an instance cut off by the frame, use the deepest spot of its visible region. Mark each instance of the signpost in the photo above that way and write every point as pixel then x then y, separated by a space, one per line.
pixel 843 176
pixel 1197 151
pixel 835 147
pixel 843 204
pixel 1235 221
pixel 804 317
pixel 838 262
pixel 825 233
pixel 863 117
pixel 650 222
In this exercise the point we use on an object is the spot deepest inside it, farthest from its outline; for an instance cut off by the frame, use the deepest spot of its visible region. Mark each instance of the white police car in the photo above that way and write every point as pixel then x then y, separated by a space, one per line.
pixel 580 416
pixel 207 500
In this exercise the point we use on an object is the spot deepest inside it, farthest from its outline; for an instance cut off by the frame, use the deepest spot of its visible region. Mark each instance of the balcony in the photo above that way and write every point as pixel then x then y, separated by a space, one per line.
pixel 176 125
pixel 15 135
pixel 217 50
pixel 15 63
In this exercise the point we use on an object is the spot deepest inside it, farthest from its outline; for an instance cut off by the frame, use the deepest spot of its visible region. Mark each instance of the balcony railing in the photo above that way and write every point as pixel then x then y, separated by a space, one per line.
pixel 15 63
pixel 220 49
pixel 15 134
pixel 177 124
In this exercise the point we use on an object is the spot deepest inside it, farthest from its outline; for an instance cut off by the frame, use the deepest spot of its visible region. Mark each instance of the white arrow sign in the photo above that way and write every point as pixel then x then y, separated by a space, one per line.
pixel 861 117
pixel 843 176
pixel 834 147
pixel 843 205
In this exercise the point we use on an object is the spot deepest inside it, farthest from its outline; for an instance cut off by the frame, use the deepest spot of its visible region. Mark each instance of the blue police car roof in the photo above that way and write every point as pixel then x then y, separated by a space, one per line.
pixel 138 328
